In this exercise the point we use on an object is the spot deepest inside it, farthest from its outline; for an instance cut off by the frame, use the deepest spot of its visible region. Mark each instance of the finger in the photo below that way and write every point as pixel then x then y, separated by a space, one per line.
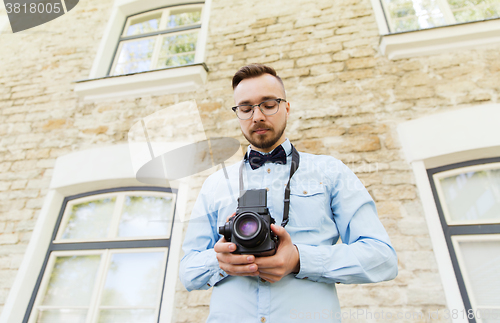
pixel 240 270
pixel 227 219
pixel 281 233
pixel 264 263
pixel 223 246
pixel 233 259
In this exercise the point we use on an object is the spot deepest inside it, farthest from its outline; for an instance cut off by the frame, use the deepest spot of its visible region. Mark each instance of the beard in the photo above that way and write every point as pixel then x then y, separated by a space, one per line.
pixel 266 140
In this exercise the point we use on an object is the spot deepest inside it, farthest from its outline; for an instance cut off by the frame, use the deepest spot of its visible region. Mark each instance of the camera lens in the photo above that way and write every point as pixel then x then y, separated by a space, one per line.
pixel 247 227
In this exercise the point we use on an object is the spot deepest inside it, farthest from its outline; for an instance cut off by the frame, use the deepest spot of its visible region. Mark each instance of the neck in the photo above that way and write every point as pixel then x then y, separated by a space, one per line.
pixel 266 150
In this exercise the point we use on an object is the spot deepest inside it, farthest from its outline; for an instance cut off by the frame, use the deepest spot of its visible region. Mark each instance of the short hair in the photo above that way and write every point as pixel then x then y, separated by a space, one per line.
pixel 254 70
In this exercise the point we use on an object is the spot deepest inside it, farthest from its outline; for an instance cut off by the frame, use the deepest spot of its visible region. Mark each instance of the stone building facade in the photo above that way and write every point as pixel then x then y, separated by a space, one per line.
pixel 347 100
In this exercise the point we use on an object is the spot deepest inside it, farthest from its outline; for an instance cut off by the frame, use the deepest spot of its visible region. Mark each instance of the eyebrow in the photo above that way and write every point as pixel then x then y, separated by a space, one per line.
pixel 264 98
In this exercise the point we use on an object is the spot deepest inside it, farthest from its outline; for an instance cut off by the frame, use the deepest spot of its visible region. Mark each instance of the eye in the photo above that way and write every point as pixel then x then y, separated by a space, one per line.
pixel 245 108
pixel 269 104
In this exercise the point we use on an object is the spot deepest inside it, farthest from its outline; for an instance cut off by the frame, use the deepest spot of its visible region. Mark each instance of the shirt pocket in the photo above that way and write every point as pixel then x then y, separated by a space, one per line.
pixel 307 205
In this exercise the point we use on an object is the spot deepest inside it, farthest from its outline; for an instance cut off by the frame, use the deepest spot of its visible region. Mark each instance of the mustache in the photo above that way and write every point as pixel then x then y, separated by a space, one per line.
pixel 261 126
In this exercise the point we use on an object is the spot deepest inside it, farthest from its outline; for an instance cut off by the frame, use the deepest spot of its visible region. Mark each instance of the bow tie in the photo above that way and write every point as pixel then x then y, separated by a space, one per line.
pixel 256 159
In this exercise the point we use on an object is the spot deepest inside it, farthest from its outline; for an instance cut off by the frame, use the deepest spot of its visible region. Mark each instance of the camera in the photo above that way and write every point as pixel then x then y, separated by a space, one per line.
pixel 250 228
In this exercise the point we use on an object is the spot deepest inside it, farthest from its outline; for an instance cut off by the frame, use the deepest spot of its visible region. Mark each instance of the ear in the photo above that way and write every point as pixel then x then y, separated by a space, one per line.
pixel 287 108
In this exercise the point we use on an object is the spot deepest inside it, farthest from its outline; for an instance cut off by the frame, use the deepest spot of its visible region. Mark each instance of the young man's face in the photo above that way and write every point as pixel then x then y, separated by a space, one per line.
pixel 263 132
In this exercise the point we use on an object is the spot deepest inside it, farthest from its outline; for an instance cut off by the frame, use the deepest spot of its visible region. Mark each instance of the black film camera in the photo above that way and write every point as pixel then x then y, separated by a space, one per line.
pixel 250 228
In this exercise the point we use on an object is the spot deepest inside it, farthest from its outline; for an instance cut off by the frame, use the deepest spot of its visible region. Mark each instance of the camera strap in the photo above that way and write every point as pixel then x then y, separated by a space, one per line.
pixel 293 168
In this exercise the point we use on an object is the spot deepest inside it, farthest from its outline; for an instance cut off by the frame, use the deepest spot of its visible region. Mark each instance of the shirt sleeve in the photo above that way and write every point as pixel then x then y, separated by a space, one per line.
pixel 199 268
pixel 365 254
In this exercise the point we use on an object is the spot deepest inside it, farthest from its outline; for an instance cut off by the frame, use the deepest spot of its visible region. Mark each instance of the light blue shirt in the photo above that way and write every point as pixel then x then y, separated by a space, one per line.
pixel 327 202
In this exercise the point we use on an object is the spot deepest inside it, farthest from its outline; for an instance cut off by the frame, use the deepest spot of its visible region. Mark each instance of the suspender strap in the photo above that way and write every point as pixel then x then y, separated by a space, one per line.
pixel 293 168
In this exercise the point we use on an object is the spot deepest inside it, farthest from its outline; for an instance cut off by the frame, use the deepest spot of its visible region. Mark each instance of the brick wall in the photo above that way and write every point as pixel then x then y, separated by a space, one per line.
pixel 346 101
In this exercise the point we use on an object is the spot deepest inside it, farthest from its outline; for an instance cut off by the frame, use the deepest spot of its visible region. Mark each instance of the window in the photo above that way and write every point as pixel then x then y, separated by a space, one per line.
pixel 411 28
pixel 468 199
pixel 158 39
pixel 461 148
pixel 107 259
pixel 149 47
pixel 406 15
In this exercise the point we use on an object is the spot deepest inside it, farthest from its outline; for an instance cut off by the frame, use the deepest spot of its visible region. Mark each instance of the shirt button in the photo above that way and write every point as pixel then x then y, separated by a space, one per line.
pixel 262 280
pixel 269 170
pixel 209 285
pixel 263 319
pixel 305 192
pixel 221 274
pixel 305 277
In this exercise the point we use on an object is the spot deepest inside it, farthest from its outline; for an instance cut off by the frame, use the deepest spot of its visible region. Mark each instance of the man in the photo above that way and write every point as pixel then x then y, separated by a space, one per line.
pixel 327 201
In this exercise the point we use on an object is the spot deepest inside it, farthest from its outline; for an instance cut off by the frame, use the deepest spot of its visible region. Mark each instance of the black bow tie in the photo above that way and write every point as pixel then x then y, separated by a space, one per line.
pixel 256 159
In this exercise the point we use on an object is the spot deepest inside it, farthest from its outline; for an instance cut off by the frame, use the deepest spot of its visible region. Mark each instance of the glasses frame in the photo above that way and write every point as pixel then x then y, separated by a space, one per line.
pixel 252 106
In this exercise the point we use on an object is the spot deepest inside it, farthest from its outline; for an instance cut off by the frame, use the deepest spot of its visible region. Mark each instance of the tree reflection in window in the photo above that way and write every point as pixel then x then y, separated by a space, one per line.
pixel 90 220
pixel 145 216
pixel 406 15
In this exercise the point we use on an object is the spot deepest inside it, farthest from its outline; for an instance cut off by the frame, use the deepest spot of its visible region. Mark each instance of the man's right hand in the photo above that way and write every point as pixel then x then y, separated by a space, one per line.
pixel 233 264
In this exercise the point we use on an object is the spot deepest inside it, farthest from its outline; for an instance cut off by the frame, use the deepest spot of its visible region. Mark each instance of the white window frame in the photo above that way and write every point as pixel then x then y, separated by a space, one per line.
pixel 4 22
pixel 443 139
pixel 443 39
pixel 100 86
pixel 4 19
pixel 76 173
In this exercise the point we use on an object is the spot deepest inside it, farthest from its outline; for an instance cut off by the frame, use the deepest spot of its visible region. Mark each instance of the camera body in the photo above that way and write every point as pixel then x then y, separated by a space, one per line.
pixel 250 228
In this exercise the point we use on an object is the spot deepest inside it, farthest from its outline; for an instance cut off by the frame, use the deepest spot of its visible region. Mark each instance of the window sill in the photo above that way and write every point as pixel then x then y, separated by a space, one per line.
pixel 157 82
pixel 440 40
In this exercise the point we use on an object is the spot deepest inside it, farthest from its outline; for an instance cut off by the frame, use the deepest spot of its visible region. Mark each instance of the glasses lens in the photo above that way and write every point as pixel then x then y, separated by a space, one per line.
pixel 269 107
pixel 247 227
pixel 244 111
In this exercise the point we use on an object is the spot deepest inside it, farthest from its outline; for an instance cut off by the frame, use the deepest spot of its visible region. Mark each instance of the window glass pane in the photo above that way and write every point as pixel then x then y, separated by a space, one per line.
pixel 135 56
pixel 182 17
pixel 71 282
pixel 473 10
pixel 481 268
pixel 489 315
pixel 127 316
pixel 146 216
pixel 90 220
pixel 416 14
pixel 62 316
pixel 176 60
pixel 473 196
pixel 134 279
pixel 144 24
pixel 178 49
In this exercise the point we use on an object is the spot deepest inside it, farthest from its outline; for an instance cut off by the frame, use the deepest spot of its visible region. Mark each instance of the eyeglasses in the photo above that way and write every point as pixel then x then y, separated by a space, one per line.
pixel 268 108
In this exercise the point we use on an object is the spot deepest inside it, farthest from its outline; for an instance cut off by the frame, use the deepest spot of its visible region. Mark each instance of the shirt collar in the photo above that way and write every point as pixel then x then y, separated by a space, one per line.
pixel 287 146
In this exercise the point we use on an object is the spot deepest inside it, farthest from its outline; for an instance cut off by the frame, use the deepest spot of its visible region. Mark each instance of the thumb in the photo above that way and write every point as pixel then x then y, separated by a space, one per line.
pixel 280 232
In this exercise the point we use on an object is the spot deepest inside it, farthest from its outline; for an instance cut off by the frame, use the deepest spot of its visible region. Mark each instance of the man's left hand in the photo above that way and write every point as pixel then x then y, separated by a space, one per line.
pixel 285 261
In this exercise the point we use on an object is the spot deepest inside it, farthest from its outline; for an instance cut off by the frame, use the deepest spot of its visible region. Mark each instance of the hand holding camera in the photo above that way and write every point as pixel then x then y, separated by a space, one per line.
pixel 257 246
pixel 234 264
pixel 285 261
pixel 272 268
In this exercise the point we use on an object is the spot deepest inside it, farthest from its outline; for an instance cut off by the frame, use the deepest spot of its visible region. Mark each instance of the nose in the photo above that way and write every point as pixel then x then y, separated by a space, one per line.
pixel 258 115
